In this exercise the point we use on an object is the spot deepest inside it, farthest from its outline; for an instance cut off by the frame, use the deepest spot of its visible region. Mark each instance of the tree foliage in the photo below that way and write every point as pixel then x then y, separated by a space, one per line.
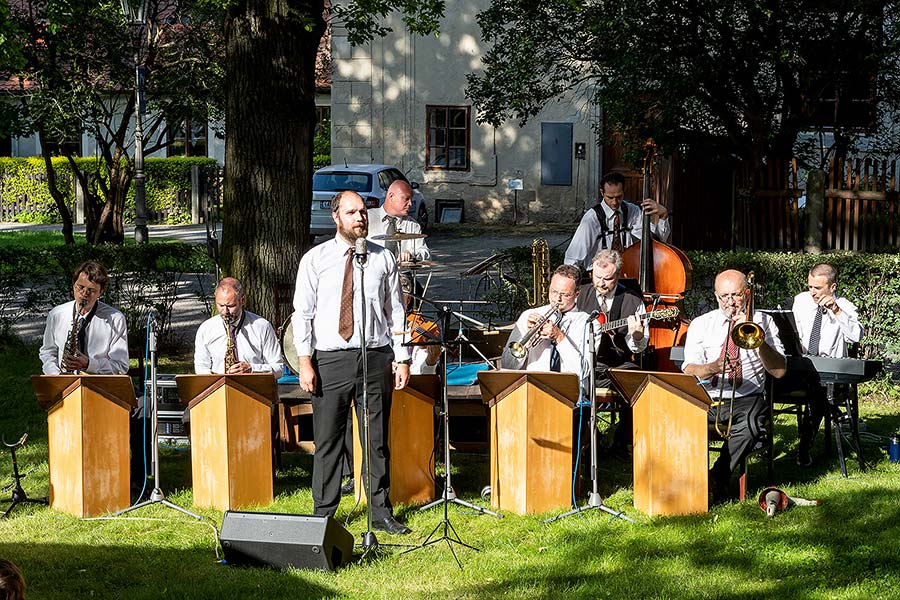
pixel 737 78
pixel 76 75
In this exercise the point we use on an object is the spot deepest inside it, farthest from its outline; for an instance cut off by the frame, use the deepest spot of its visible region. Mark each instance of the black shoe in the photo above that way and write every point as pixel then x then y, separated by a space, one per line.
pixel 348 488
pixel 804 459
pixel 390 525
pixel 718 491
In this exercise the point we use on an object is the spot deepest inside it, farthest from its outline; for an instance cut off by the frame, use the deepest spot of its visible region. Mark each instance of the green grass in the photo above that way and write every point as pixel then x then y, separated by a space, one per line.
pixel 35 240
pixel 846 548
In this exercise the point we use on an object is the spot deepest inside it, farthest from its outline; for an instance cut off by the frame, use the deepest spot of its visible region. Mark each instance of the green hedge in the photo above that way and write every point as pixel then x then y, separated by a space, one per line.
pixel 24 178
pixel 143 278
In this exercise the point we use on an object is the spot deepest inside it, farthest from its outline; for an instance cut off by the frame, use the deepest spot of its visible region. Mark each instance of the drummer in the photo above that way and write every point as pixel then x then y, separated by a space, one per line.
pixel 393 218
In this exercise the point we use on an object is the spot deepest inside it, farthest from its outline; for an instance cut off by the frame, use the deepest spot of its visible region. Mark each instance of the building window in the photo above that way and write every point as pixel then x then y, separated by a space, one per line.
pixel 448 138
pixel 182 144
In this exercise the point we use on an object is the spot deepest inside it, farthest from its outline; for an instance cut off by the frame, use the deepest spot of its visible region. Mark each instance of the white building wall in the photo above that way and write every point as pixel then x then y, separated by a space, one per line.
pixel 379 98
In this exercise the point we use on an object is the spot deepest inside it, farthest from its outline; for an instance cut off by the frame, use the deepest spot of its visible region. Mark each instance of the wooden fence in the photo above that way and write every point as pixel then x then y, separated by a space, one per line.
pixel 861 207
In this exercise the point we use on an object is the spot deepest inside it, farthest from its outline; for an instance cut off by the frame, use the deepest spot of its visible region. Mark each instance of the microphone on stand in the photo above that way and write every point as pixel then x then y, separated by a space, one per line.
pixel 361 251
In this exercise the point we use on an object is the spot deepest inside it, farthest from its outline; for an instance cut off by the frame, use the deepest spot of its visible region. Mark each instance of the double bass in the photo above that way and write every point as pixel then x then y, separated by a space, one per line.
pixel 665 273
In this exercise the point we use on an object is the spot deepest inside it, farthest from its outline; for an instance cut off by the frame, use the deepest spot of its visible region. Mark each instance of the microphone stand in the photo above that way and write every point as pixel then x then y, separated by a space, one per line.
pixel 369 541
pixel 594 501
pixel 156 496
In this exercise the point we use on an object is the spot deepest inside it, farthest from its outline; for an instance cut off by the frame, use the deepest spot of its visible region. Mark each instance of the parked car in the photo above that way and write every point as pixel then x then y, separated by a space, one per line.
pixel 369 181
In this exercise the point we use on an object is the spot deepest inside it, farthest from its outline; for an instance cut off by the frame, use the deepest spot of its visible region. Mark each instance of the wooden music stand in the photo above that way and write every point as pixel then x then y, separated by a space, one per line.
pixel 231 438
pixel 87 432
pixel 531 438
pixel 410 443
pixel 671 451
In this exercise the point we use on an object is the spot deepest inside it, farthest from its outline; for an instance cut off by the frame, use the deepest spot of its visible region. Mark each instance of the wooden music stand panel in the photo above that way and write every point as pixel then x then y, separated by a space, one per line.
pixel 531 439
pixel 410 443
pixel 671 455
pixel 87 442
pixel 231 442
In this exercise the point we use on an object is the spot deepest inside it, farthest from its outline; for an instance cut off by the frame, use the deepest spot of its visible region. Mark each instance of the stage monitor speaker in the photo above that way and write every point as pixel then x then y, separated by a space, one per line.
pixel 283 540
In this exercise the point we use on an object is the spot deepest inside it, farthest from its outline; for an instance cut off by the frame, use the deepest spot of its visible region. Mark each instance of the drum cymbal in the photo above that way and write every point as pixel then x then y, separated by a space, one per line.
pixel 399 237
pixel 413 265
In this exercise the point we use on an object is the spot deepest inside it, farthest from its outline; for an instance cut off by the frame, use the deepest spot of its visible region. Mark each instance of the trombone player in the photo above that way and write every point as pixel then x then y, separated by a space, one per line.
pixel 549 338
pixel 733 372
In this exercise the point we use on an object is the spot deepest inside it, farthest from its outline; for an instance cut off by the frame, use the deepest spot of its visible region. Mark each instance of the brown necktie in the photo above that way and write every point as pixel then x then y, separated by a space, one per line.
pixel 734 370
pixel 617 235
pixel 345 320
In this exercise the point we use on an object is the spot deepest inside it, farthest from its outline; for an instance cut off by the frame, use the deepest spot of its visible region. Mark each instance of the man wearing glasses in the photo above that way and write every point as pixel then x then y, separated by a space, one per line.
pixel 615 223
pixel 557 344
pixel 85 335
pixel 727 371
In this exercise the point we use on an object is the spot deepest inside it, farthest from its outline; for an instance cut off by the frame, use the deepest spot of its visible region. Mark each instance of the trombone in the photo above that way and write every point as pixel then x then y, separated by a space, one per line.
pixel 520 348
pixel 748 336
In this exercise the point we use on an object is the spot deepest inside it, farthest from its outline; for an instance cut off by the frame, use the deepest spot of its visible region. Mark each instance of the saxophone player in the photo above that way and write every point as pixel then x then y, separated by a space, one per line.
pixel 236 340
pixel 85 335
pixel 555 344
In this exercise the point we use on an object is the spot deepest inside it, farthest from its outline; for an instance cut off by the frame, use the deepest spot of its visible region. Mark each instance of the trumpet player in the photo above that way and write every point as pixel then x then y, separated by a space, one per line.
pixel 711 353
pixel 236 340
pixel 85 335
pixel 555 343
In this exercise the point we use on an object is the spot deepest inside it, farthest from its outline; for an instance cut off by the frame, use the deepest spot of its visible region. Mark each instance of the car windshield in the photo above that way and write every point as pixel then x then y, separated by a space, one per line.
pixel 339 181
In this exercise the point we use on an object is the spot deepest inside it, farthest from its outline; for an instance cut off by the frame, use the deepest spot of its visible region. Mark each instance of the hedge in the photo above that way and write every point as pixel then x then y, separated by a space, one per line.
pixel 24 178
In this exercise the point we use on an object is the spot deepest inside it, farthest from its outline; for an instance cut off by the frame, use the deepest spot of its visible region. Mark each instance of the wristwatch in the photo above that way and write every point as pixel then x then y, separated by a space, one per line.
pixel 407 361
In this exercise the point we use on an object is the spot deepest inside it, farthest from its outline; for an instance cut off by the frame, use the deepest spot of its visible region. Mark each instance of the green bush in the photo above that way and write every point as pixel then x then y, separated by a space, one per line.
pixel 143 278
pixel 24 179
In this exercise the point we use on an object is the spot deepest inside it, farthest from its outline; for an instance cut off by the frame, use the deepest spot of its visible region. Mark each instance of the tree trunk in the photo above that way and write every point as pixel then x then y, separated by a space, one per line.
pixel 270 124
pixel 53 185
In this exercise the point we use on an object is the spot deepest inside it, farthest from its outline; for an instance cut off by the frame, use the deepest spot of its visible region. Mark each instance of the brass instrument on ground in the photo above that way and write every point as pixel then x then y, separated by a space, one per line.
pixel 540 270
pixel 230 350
pixel 520 348
pixel 70 349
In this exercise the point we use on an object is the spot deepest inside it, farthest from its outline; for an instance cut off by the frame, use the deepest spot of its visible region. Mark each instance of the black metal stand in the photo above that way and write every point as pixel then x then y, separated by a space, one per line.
pixel 448 496
pixel 156 496
pixel 18 495
pixel 594 501
pixel 851 406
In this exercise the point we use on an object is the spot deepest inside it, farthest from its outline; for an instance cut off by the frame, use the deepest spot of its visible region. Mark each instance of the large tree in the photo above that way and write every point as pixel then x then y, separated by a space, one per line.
pixel 76 73
pixel 739 78
pixel 271 48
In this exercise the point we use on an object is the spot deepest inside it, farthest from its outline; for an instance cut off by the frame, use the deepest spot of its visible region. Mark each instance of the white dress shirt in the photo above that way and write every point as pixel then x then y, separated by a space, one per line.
pixel 317 300
pixel 587 239
pixel 106 339
pixel 378 226
pixel 572 359
pixel 589 301
pixel 703 345
pixel 837 330
pixel 256 342
pixel 420 364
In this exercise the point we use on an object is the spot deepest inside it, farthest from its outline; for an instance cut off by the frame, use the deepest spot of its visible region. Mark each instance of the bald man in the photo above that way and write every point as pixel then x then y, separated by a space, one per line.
pixel 709 352
pixel 393 216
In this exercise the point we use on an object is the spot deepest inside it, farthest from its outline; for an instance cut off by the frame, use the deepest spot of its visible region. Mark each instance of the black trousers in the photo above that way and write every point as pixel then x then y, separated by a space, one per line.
pixel 339 375
pixel 747 426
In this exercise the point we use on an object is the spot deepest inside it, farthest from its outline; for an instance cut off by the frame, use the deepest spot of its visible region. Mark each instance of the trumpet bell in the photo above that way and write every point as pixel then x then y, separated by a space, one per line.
pixel 518 350
pixel 748 336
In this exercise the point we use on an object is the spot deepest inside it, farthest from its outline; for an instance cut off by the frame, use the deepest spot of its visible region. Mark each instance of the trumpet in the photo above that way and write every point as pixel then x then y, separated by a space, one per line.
pixel 520 348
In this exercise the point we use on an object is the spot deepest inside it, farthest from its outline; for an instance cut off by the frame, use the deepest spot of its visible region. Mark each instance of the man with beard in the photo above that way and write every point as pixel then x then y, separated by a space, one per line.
pixel 237 340
pixel 710 354
pixel 327 312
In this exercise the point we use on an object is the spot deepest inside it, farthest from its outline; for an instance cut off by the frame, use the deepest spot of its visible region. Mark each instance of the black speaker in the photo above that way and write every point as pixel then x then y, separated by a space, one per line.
pixel 282 540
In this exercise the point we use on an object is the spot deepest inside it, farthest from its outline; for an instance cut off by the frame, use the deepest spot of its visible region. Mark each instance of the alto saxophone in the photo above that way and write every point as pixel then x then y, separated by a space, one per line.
pixel 230 350
pixel 70 349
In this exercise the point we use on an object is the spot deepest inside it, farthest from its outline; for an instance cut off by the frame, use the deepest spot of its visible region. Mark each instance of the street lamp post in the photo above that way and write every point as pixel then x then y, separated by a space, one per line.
pixel 136 13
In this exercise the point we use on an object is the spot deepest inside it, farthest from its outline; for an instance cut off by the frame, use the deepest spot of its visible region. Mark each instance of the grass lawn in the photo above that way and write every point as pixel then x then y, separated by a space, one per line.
pixel 847 548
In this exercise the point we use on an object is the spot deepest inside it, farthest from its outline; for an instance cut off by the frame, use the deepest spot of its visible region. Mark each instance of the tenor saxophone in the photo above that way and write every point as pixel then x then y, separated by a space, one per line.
pixel 230 355
pixel 70 349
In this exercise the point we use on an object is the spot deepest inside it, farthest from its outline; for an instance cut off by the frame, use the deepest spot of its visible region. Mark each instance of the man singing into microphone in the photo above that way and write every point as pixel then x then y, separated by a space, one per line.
pixel 826 325
pixel 86 335
pixel 328 304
